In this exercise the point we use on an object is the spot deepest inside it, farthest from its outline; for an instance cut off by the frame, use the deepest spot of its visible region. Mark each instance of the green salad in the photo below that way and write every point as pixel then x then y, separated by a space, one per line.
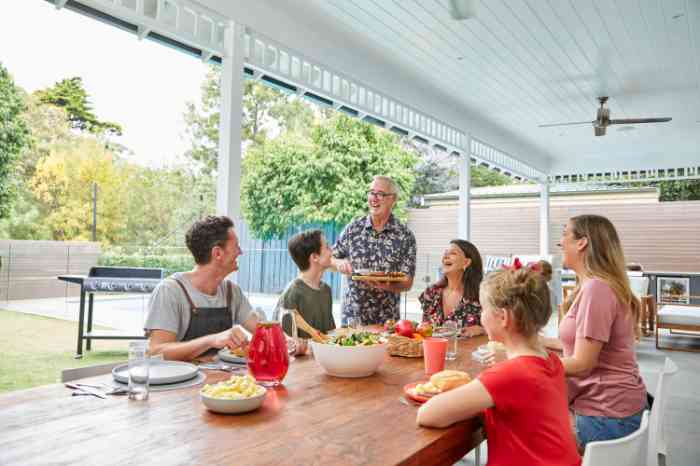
pixel 356 339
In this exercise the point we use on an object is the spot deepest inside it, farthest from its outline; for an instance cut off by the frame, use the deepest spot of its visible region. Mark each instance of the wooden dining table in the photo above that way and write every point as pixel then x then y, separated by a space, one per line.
pixel 311 419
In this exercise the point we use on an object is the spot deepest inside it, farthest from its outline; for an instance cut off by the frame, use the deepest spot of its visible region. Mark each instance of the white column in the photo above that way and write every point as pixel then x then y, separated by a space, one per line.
pixel 544 218
pixel 464 217
pixel 228 183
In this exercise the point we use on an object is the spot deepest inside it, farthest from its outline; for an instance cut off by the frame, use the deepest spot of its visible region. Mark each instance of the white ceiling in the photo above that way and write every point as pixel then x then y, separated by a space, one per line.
pixel 519 64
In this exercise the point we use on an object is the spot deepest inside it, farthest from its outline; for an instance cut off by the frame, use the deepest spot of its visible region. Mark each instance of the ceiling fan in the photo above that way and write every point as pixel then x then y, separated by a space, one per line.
pixel 602 120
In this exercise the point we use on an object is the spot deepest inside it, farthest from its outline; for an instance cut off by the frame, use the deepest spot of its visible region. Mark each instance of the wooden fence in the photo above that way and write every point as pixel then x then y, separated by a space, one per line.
pixel 659 235
pixel 29 268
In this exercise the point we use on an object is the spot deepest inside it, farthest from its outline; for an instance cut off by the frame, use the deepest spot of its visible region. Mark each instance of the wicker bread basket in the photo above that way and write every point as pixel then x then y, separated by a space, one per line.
pixel 404 346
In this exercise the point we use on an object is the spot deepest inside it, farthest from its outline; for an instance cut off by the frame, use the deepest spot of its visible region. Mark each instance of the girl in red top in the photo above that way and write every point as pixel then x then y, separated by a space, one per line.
pixel 524 398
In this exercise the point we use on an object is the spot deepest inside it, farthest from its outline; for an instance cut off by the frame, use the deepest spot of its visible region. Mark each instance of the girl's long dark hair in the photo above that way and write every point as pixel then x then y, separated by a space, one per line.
pixel 471 279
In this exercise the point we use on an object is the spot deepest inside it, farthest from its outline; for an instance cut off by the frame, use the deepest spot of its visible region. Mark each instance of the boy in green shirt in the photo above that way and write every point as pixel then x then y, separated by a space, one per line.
pixel 308 293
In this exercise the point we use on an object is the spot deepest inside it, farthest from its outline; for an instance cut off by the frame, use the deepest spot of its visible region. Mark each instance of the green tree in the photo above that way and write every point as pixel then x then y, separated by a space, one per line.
pixel 483 176
pixel 291 180
pixel 49 127
pixel 63 185
pixel 438 172
pixel 680 190
pixel 14 137
pixel 70 94
pixel 171 199
pixel 264 109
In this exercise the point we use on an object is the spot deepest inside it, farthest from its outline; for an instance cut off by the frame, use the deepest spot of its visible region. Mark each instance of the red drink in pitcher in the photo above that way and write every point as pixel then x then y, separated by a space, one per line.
pixel 268 359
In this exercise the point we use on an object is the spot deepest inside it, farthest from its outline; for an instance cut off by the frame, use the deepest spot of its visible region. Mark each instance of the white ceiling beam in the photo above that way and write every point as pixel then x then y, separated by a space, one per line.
pixel 60 4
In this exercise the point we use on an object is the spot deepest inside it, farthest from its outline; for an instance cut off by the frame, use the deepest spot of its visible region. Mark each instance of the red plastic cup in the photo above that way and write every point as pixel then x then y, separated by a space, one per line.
pixel 434 350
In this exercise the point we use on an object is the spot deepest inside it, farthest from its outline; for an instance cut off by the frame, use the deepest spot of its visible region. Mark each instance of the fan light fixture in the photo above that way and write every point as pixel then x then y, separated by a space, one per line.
pixel 463 9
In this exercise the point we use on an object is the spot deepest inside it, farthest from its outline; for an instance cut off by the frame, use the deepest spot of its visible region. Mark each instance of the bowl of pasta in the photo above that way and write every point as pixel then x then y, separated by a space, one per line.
pixel 239 394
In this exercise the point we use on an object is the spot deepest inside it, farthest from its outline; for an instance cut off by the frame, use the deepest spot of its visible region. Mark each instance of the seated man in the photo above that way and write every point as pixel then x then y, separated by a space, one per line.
pixel 193 312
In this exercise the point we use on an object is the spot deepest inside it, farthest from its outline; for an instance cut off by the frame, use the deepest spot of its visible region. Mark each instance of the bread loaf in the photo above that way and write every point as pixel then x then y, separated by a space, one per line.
pixel 449 379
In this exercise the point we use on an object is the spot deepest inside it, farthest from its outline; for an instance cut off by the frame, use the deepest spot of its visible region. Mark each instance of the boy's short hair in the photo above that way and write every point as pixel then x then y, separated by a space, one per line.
pixel 302 245
pixel 205 234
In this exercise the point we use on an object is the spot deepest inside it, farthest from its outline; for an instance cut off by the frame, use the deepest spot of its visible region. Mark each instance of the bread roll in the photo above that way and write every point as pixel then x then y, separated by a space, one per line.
pixel 449 379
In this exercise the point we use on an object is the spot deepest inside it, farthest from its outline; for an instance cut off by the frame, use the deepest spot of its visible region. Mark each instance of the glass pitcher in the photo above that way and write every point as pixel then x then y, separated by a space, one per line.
pixel 268 356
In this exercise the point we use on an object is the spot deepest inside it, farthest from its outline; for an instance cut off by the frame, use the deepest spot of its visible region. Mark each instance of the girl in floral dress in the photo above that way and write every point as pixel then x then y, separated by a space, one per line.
pixel 455 296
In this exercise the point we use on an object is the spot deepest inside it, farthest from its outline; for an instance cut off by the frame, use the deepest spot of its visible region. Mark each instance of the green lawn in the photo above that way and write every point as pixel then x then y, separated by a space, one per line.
pixel 36 349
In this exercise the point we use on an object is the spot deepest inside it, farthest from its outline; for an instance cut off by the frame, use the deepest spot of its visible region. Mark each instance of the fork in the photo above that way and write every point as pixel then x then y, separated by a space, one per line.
pixel 223 367
pixel 103 389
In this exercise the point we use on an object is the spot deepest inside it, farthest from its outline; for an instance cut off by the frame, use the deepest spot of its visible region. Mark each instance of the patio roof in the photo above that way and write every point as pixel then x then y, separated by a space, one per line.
pixel 480 86
pixel 515 66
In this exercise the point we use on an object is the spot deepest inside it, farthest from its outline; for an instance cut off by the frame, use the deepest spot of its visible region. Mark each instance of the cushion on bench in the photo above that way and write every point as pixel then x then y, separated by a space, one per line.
pixel 680 315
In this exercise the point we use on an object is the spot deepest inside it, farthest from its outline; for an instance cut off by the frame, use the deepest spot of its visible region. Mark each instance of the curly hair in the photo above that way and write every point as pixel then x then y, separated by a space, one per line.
pixel 205 234
pixel 524 293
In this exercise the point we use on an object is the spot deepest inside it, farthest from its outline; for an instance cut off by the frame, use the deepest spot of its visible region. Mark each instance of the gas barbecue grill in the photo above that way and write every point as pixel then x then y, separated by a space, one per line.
pixel 109 280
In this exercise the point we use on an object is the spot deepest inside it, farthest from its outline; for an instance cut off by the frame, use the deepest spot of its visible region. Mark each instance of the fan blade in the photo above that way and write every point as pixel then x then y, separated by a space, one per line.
pixel 633 121
pixel 599 130
pixel 567 124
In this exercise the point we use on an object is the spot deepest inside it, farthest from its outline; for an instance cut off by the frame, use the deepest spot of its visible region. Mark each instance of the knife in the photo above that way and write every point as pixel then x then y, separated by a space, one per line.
pixel 88 390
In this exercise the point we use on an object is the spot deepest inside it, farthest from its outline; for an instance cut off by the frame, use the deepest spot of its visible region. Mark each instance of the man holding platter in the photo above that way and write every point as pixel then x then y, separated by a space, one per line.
pixel 370 245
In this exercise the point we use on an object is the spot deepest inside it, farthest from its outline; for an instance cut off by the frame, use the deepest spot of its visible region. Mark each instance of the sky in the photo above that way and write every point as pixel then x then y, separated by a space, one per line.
pixel 142 85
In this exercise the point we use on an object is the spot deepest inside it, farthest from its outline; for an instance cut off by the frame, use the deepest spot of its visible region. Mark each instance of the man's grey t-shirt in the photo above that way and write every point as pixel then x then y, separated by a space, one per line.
pixel 168 308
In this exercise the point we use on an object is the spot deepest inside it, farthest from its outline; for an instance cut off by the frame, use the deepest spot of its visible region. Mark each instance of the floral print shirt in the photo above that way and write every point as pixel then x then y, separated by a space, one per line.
pixel 391 250
pixel 467 313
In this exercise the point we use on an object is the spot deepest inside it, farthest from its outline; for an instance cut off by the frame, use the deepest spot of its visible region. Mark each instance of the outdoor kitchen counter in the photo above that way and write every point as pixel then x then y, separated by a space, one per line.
pixel 311 419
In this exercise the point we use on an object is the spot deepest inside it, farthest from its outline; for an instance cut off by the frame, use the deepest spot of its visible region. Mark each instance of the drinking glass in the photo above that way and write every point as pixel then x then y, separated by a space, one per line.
pixel 434 350
pixel 139 363
pixel 449 330
pixel 354 323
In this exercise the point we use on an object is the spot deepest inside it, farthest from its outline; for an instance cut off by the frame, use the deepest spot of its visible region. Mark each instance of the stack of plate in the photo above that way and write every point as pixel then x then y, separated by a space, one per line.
pixel 163 374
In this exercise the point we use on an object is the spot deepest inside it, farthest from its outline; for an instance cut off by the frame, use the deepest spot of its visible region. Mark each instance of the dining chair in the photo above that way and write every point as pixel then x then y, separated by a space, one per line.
pixel 657 438
pixel 626 451
pixel 68 375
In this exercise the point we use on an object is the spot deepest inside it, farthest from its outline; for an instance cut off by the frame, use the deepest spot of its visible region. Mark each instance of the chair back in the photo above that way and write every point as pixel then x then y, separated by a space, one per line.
pixel 639 285
pixel 657 440
pixel 626 451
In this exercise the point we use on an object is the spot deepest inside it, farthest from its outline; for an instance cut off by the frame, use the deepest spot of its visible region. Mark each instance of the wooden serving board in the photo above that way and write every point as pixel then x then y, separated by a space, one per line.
pixel 372 278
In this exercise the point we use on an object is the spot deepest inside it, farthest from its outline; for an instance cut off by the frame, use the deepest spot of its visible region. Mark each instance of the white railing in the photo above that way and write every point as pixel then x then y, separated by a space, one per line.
pixel 343 93
pixel 628 176
pixel 186 21
pixel 489 156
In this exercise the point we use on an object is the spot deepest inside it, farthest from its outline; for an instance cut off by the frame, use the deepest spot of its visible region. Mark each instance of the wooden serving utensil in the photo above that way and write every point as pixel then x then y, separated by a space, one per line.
pixel 316 335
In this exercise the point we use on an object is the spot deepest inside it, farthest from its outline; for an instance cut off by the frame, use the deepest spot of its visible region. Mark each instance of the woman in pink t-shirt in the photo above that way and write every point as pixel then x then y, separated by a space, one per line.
pixel 523 398
pixel 598 332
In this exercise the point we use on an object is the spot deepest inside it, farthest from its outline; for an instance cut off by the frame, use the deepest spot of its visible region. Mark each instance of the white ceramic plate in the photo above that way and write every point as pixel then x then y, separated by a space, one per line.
pixel 160 372
pixel 226 355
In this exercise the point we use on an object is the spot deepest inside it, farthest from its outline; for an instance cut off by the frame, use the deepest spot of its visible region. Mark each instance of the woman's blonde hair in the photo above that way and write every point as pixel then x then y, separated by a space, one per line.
pixel 523 292
pixel 604 260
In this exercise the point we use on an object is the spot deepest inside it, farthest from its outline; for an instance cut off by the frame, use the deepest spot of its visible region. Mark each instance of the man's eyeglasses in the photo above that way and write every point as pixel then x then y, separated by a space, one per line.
pixel 379 194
